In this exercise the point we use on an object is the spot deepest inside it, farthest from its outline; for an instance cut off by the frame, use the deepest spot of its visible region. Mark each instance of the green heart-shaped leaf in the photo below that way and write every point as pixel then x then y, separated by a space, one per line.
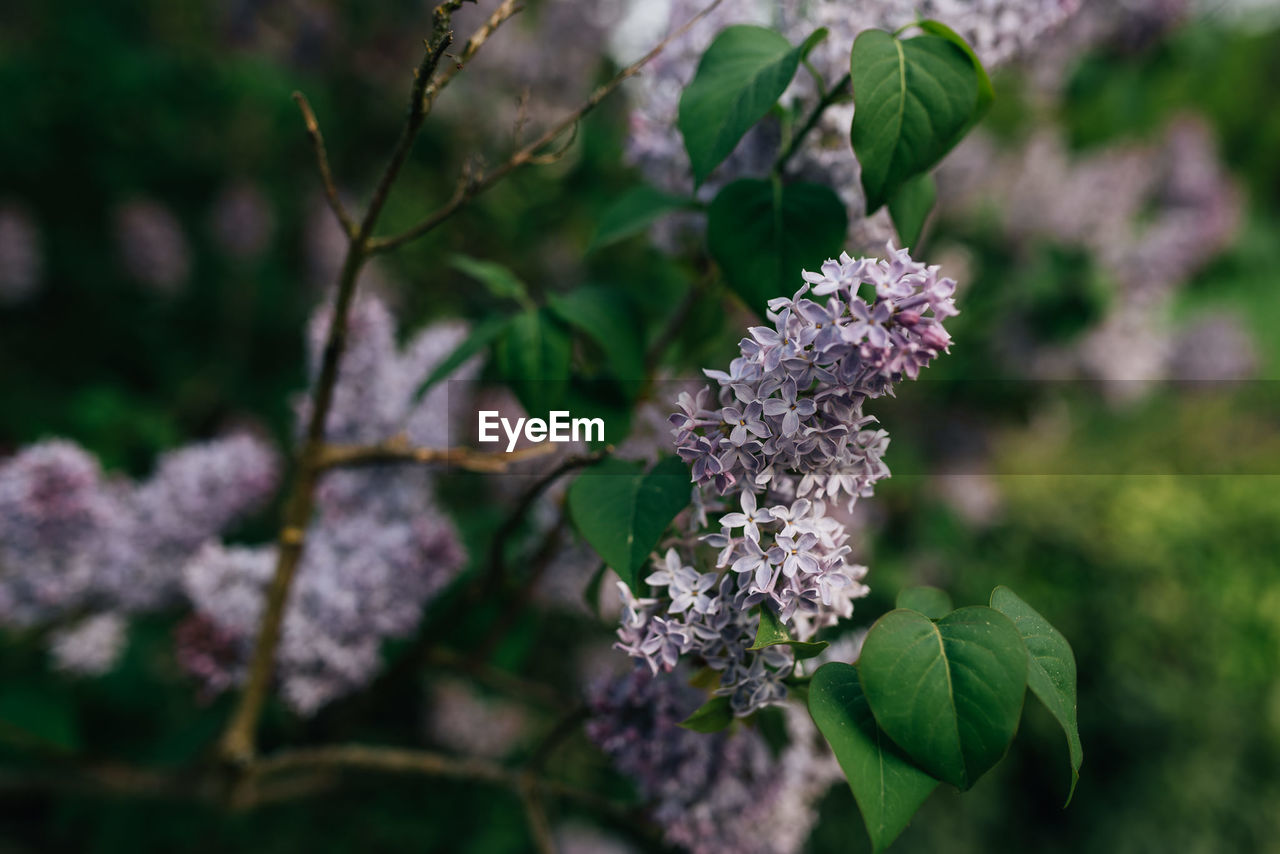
pixel 763 234
pixel 739 79
pixel 986 92
pixel 914 100
pixel 887 787
pixel 1051 673
pixel 622 511
pixel 948 692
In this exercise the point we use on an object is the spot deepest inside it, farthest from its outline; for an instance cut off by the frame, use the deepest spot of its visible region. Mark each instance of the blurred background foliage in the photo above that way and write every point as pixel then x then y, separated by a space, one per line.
pixel 1163 576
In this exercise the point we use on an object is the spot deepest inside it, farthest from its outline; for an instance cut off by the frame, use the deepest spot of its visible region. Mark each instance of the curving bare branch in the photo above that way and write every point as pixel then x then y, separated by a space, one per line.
pixel 322 164
pixel 530 153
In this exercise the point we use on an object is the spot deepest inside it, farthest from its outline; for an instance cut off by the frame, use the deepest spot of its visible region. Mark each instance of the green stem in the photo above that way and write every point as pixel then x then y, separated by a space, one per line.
pixel 834 94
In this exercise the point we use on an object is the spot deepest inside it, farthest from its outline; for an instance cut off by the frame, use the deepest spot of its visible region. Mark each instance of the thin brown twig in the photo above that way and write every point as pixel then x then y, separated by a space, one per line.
pixel 530 152
pixel 396 760
pixel 299 774
pixel 400 450
pixel 557 154
pixel 388 759
pixel 441 38
pixel 239 739
pixel 238 743
pixel 112 779
pixel 322 164
pixel 505 10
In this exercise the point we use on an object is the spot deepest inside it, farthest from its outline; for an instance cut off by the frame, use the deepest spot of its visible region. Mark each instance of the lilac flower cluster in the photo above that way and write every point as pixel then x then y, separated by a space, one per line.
pixel 74 541
pixel 1151 215
pixel 792 401
pixel 90 647
pixel 378 549
pixel 709 793
pixel 788 439
pixel 999 30
pixel 789 558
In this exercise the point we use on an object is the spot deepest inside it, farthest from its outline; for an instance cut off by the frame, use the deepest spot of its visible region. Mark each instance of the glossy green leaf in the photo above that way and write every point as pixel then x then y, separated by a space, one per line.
pixel 763 234
pixel 533 357
pixel 888 788
pixel 712 716
pixel 914 100
pixel 739 79
pixel 930 601
pixel 622 511
pixel 772 632
pixel 909 206
pixel 1051 672
pixel 986 92
pixel 636 210
pixel 607 318
pixel 499 280
pixel 482 335
pixel 948 693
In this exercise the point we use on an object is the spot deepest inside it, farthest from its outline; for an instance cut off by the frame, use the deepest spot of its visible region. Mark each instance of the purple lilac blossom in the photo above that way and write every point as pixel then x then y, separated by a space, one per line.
pixel 55 510
pixel 796 392
pixel 379 548
pixel 73 539
pixel 779 445
pixel 1151 215
pixel 91 646
pixel 710 793
pixel 1215 346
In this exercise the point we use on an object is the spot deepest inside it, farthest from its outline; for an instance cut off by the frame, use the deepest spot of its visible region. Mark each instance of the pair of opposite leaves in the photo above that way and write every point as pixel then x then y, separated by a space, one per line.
pixel 939 700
